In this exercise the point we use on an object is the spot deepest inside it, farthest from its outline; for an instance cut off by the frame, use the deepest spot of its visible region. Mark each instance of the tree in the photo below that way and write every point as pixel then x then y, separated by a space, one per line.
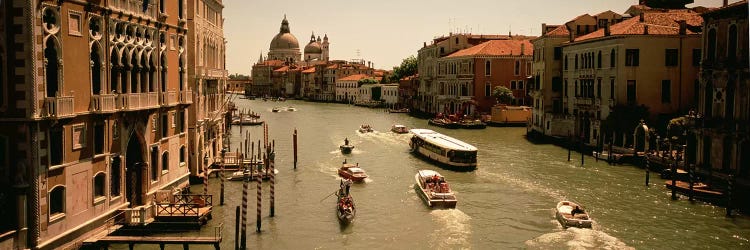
pixel 366 81
pixel 502 94
pixel 408 67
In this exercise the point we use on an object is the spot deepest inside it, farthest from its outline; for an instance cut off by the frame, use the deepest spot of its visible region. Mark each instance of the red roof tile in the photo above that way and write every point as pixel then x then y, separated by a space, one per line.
pixel 659 23
pixel 497 48
pixel 356 77
pixel 560 31
pixel 310 70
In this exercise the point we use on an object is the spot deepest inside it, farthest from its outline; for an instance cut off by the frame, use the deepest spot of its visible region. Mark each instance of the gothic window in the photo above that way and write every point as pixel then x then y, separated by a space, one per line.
pixel 144 70
pixel 711 45
pixel 154 163
pixel 57 201
pixel 163 73
pixel 96 70
pixel 165 161
pixel 99 184
pixel 51 67
pixel 134 68
pixel 125 67
pixel 182 72
pixel 114 175
pixel 732 43
pixel 151 73
pixel 487 67
pixel 114 71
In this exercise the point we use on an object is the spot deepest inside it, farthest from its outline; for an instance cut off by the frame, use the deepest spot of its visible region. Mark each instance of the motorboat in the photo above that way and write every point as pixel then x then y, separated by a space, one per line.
pixel 292 109
pixel 399 129
pixel 434 190
pixel 346 148
pixel 443 123
pixel 365 128
pixel 472 124
pixel 352 172
pixel 247 121
pixel 276 109
pixel 571 214
pixel 345 209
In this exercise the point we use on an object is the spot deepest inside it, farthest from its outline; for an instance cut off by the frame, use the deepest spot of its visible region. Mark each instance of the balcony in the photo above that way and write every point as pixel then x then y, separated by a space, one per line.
pixel 584 101
pixel 152 99
pixel 103 103
pixel 186 97
pixel 136 101
pixel 169 98
pixel 58 107
pixel 586 73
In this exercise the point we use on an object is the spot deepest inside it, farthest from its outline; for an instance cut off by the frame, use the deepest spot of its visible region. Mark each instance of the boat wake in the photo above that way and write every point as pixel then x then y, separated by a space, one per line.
pixel 576 238
pixel 453 231
pixel 535 187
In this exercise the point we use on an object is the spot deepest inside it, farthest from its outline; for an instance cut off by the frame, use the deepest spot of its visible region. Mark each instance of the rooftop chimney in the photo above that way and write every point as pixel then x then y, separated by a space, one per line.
pixel 726 2
pixel 523 48
pixel 606 29
pixel 683 26
pixel 645 30
pixel 640 17
pixel 544 28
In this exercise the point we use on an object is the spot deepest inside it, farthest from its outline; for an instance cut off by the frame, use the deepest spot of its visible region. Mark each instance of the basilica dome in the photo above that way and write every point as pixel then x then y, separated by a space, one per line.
pixel 285 39
pixel 313 48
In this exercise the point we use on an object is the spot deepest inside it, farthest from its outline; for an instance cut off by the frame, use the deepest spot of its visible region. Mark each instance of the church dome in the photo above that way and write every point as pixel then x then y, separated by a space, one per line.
pixel 285 39
pixel 313 48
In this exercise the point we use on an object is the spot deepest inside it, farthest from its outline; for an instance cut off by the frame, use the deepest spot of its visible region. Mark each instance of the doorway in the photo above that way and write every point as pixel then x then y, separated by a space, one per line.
pixel 134 171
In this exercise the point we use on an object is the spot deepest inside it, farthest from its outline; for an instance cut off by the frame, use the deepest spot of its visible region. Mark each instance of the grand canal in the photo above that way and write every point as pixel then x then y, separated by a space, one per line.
pixel 506 203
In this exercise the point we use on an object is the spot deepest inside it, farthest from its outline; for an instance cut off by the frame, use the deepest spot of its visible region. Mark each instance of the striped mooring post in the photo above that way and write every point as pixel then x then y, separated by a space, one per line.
pixel 221 176
pixel 244 213
pixel 272 175
pixel 260 181
pixel 205 180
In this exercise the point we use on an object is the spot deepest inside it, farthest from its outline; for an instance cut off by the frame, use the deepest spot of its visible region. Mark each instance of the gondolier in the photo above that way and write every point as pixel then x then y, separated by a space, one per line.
pixel 347 185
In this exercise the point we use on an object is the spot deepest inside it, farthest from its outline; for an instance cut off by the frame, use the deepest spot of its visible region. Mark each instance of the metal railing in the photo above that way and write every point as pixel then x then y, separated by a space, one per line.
pixel 184 205
pixel 59 106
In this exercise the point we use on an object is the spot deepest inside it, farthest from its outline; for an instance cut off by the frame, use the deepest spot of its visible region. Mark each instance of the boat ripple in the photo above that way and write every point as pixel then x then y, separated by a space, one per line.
pixel 534 187
pixel 576 238
pixel 454 231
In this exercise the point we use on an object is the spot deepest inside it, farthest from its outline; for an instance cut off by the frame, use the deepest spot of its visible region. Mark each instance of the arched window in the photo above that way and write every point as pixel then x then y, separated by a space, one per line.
pixel 181 9
pixel 151 73
pixel 96 70
pixel 161 6
pixel 99 185
pixel 183 155
pixel 732 43
pixel 165 161
pixel 599 60
pixel 124 74
pixel 163 73
pixel 612 58
pixel 182 72
pixel 711 45
pixel 57 201
pixel 487 67
pixel 114 73
pixel 51 67
pixel 144 70
pixel 114 174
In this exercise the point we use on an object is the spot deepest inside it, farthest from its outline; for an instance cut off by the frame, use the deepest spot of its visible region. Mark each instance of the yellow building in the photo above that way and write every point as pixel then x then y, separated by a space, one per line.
pixel 650 60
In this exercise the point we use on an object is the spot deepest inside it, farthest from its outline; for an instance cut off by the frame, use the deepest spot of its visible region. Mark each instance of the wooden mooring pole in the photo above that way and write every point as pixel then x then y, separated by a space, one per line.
pixel 674 176
pixel 730 186
pixel 272 175
pixel 257 218
pixel 647 166
pixel 581 148
pixel 237 228
pixel 294 139
pixel 570 144
pixel 692 180
pixel 221 176
pixel 244 213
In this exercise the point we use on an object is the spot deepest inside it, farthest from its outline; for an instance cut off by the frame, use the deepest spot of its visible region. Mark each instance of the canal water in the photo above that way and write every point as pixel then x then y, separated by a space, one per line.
pixel 507 202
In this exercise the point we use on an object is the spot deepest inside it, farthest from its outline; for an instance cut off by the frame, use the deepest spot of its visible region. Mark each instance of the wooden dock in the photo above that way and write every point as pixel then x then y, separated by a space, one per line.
pixel 161 241
pixel 187 208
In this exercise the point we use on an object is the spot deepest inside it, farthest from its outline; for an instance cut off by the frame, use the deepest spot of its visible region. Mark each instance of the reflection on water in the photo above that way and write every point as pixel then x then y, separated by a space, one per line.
pixel 506 203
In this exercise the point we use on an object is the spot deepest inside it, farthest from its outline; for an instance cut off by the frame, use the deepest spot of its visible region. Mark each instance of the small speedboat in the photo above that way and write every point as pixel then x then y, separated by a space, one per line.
pixel 571 214
pixel 399 129
pixel 345 209
pixel 352 172
pixel 365 128
pixel 434 190
pixel 276 109
pixel 291 109
pixel 444 123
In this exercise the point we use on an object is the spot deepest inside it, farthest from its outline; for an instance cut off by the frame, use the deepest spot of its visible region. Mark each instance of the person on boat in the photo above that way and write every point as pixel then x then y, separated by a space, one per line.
pixel 346 141
pixel 347 184
pixel 576 210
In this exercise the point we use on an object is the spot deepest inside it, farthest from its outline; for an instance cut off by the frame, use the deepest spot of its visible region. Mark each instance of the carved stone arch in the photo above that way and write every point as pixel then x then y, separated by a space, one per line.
pixel 641 137
pixel 50 18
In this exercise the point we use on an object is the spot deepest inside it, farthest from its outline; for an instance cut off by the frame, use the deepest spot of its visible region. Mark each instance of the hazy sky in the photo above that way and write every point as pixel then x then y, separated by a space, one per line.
pixel 387 31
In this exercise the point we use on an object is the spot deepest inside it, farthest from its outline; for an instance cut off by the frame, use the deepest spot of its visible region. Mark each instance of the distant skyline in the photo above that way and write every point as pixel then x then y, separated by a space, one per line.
pixel 387 31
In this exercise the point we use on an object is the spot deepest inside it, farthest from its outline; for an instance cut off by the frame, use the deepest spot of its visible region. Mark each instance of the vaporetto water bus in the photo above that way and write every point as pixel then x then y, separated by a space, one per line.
pixel 443 149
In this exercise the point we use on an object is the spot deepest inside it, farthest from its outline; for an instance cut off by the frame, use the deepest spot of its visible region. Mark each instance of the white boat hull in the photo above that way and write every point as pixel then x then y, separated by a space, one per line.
pixel 563 215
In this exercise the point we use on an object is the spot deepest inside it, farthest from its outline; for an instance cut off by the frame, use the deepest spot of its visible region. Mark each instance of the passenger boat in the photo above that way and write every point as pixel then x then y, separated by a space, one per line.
pixel 399 129
pixel 365 128
pixel 443 149
pixel 352 172
pixel 566 217
pixel 434 190
pixel 247 121
pixel 403 110
pixel 472 124
pixel 443 123
pixel 345 209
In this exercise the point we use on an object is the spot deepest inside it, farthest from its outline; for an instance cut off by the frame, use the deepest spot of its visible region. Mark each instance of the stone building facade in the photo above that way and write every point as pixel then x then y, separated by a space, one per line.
pixel 93 114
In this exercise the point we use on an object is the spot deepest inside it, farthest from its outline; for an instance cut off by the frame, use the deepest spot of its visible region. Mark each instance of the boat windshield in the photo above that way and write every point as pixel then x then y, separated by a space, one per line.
pixel 356 170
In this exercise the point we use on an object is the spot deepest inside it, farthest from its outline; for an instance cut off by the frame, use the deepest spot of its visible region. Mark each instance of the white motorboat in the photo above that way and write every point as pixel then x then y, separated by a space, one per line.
pixel 434 190
pixel 571 214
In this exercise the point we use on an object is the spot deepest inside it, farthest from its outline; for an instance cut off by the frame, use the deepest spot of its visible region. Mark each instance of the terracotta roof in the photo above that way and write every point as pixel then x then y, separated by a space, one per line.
pixel 310 70
pixel 731 5
pixel 562 30
pixel 334 66
pixel 497 48
pixel 282 69
pixel 356 77
pixel 272 63
pixel 659 23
